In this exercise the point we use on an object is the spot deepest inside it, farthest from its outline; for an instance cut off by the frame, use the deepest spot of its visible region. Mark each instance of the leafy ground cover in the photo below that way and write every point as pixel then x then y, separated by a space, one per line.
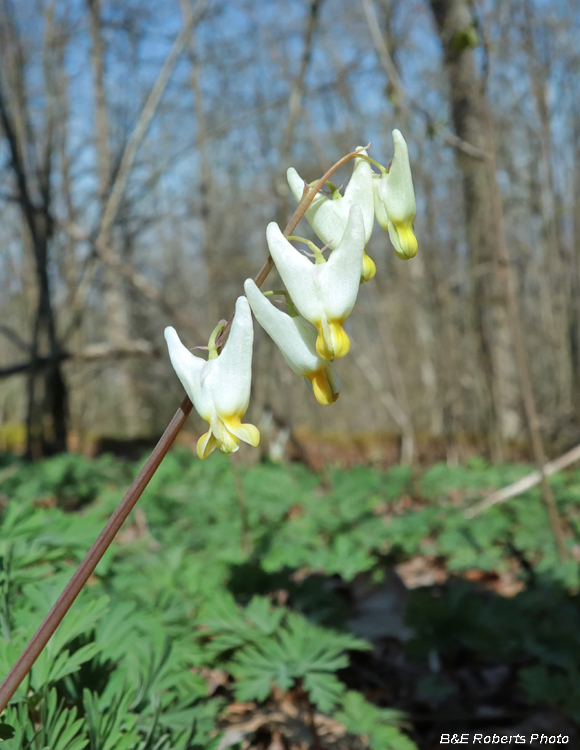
pixel 266 608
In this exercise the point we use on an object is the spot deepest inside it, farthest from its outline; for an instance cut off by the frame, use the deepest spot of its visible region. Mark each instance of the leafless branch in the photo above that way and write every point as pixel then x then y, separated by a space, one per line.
pixel 14 337
pixel 526 483
pixel 89 353
pixel 403 98
pixel 136 279
pixel 100 245
pixel 147 113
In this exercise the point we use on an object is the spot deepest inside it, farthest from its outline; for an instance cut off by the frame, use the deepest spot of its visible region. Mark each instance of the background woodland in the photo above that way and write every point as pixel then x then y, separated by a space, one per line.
pixel 143 150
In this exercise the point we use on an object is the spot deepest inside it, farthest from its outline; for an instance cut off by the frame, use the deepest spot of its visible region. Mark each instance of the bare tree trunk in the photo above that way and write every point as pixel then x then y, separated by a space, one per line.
pixel 46 418
pixel 455 23
pixel 456 27
pixel 414 275
pixel 575 273
pixel 116 298
pixel 556 263
pixel 508 279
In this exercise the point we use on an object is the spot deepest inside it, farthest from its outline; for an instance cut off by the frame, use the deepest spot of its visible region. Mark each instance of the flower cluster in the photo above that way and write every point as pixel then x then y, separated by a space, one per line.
pixel 320 296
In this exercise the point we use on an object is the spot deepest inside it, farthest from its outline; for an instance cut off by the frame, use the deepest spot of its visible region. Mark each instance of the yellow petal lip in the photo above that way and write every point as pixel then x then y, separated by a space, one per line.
pixel 229 430
pixel 228 442
pixel 249 433
pixel 407 240
pixel 206 445
pixel 332 342
pixel 369 269
pixel 322 388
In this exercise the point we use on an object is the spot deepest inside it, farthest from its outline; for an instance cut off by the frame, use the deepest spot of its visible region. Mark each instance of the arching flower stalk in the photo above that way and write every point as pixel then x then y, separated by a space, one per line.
pixel 328 216
pixel 220 386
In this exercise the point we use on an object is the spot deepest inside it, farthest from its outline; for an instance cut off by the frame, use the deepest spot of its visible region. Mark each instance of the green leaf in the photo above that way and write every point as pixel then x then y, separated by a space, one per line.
pixel 382 726
pixel 324 690
pixel 110 725
pixel 261 614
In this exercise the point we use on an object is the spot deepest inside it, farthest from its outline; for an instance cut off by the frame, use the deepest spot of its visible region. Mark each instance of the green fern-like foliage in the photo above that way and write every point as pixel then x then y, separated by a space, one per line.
pixel 267 647
pixel 299 651
pixel 125 670
pixel 56 727
pixel 381 727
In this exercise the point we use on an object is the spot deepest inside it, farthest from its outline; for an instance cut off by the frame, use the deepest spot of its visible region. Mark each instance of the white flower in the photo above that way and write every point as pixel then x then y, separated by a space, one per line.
pixel 220 388
pixel 395 207
pixel 296 339
pixel 328 216
pixel 324 293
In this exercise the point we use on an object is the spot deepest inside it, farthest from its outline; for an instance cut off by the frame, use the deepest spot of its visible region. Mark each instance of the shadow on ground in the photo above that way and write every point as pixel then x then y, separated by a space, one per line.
pixel 457 658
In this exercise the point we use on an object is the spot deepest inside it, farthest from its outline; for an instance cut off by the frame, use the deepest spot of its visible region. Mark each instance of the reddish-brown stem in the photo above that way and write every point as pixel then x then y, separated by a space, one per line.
pixel 81 575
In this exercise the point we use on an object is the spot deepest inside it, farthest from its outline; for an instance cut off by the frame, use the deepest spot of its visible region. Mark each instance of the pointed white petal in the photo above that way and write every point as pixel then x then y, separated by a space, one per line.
pixel 296 272
pixel 326 216
pixel 328 219
pixel 307 333
pixel 189 370
pixel 339 278
pixel 296 183
pixel 325 384
pixel 231 378
pixel 396 189
pixel 359 192
pixel 380 210
pixel 295 337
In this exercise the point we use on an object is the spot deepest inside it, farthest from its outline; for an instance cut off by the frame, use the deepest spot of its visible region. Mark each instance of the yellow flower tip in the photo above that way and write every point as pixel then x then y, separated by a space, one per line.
pixel 229 443
pixel 408 242
pixel 230 431
pixel 322 348
pixel 246 432
pixel 206 445
pixel 252 434
pixel 335 344
pixel 340 341
pixel 369 269
pixel 322 388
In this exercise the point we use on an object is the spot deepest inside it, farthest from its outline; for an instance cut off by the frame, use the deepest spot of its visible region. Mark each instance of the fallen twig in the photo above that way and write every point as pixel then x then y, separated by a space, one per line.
pixel 526 483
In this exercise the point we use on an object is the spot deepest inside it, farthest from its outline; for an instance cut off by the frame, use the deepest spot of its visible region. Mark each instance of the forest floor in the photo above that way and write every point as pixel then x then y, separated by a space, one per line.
pixel 277 607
